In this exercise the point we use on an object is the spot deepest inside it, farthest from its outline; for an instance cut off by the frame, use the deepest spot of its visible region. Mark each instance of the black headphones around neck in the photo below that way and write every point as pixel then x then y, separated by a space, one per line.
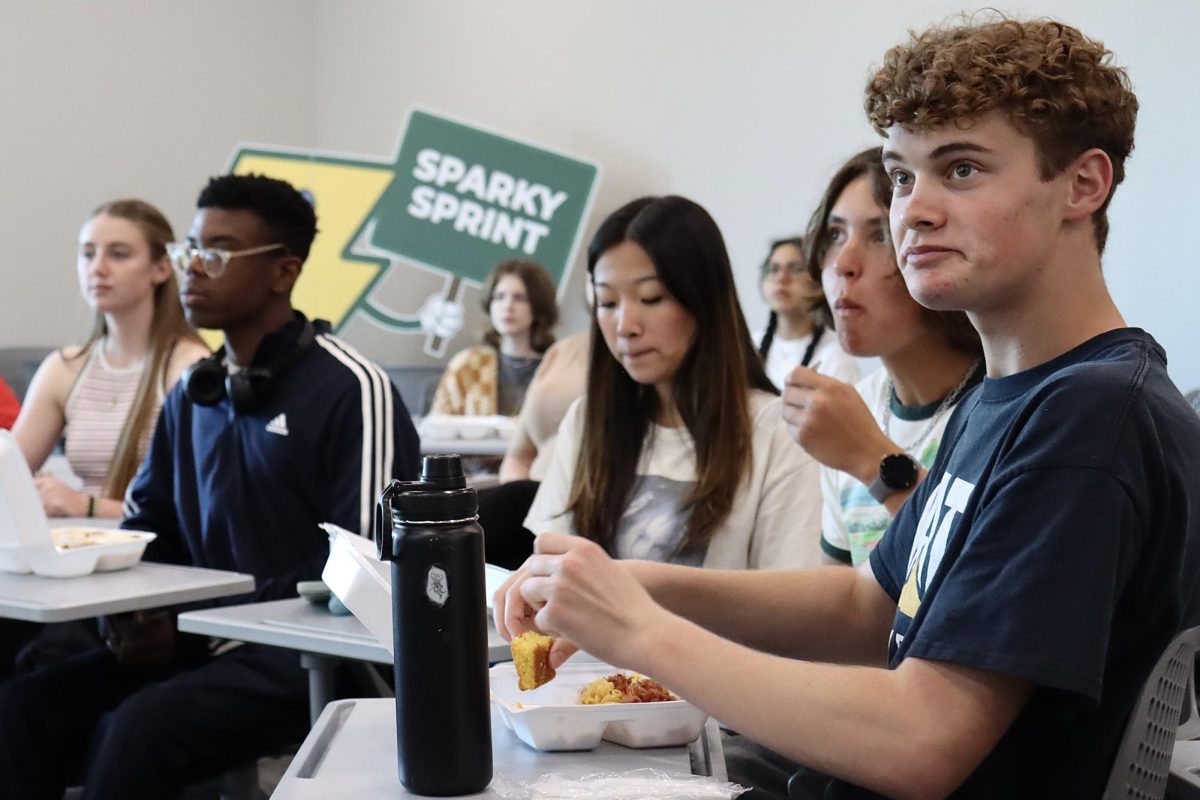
pixel 248 389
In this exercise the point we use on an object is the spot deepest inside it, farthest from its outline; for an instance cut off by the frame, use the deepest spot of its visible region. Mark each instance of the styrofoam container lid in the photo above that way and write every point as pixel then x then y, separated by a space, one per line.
pixel 22 518
pixel 551 717
pixel 364 583
pixel 360 580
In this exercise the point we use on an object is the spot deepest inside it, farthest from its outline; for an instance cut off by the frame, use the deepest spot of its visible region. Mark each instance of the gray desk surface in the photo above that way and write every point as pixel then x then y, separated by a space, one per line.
pixel 300 625
pixel 144 585
pixel 347 755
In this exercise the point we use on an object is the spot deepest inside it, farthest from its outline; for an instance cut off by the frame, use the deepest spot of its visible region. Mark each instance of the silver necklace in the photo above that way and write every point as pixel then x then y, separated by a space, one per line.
pixel 943 407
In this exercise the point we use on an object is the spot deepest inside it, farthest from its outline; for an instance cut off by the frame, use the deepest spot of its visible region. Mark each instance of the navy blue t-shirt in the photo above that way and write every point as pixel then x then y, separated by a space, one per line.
pixel 1054 539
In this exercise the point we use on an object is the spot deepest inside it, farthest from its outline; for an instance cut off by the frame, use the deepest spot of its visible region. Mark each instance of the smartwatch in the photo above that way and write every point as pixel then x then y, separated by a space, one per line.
pixel 897 473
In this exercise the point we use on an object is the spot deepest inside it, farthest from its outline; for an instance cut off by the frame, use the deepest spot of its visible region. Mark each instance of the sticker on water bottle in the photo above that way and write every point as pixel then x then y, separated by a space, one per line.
pixel 437 586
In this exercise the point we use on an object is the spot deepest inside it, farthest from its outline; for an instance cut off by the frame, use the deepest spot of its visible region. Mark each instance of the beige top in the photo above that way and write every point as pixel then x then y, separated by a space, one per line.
pixel 561 378
pixel 95 411
pixel 775 521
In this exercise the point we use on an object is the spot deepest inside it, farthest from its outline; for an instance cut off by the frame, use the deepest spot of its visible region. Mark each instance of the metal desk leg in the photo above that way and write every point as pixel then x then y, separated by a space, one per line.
pixel 707 754
pixel 320 682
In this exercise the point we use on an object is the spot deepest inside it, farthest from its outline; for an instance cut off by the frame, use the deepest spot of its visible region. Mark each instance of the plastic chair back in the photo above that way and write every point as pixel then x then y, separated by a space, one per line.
pixel 1167 701
pixel 1193 397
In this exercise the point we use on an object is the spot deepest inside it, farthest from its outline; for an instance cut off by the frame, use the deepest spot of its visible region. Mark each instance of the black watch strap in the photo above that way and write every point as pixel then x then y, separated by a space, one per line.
pixel 898 472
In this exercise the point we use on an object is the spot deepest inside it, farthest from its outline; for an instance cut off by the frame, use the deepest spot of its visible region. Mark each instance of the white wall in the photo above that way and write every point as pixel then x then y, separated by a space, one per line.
pixel 745 107
pixel 129 98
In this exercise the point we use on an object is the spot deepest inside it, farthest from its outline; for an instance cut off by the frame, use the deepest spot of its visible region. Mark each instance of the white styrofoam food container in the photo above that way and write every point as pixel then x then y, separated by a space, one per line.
pixel 363 583
pixel 27 543
pixel 81 551
pixel 77 551
pixel 551 717
pixel 448 426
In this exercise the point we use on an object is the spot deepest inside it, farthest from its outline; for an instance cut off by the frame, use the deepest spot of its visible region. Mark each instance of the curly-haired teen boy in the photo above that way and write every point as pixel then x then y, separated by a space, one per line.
pixel 995 642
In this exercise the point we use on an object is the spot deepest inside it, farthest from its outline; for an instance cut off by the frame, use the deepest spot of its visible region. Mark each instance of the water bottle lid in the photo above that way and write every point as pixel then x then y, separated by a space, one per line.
pixel 442 494
pixel 444 470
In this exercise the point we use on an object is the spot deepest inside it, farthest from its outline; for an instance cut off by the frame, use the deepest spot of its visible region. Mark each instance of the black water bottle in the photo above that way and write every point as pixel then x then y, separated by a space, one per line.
pixel 429 530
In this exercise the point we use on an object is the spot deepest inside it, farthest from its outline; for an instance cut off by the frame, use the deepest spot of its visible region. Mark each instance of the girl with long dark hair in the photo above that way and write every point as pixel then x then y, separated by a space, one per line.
pixel 677 452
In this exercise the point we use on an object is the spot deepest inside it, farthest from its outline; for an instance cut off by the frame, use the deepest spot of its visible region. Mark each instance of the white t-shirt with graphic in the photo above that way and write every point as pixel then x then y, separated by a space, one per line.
pixel 786 354
pixel 774 521
pixel 852 521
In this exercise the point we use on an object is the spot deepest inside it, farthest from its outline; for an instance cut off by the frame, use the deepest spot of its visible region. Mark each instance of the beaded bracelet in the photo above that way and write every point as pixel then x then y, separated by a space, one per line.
pixel 91 509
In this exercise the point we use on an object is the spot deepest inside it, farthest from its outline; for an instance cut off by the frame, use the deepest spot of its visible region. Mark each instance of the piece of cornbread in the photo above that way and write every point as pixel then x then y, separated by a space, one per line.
pixel 531 656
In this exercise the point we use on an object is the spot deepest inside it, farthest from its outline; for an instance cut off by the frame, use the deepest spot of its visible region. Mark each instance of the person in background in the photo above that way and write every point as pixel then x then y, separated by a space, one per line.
pixel 558 382
pixel 284 428
pixel 877 438
pixel 10 406
pixel 491 379
pixel 105 395
pixel 677 452
pixel 998 637
pixel 799 329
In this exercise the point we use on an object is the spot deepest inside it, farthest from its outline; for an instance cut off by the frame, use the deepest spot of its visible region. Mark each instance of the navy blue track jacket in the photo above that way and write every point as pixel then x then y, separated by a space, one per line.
pixel 246 492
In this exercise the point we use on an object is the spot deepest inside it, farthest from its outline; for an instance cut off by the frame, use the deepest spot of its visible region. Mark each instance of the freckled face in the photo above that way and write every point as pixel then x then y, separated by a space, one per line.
pixel 973 221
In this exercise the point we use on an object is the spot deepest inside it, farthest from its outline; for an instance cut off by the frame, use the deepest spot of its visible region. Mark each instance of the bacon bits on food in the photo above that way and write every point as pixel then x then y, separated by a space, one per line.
pixel 622 688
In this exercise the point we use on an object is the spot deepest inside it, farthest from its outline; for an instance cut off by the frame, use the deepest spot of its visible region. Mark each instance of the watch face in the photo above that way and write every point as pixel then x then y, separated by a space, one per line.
pixel 899 471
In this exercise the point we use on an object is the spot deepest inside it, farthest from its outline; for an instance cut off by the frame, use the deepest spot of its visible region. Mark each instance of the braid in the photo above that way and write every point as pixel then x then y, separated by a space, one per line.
pixel 769 335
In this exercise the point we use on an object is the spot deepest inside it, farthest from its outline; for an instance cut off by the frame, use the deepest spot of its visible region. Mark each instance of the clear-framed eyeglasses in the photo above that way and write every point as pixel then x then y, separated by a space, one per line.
pixel 213 260
pixel 794 268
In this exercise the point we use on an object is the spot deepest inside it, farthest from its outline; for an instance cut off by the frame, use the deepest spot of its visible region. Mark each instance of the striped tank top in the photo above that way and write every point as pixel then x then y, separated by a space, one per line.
pixel 95 411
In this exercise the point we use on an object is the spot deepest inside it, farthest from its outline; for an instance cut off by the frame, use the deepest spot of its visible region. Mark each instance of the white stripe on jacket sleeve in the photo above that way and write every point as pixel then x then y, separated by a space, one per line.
pixel 377 415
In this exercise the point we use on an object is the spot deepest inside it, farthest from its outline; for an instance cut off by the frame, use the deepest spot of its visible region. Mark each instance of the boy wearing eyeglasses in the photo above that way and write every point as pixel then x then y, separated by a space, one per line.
pixel 996 640
pixel 285 427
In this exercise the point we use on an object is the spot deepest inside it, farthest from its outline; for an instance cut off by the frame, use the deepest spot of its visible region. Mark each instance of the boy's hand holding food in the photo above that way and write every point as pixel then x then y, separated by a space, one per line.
pixel 572 590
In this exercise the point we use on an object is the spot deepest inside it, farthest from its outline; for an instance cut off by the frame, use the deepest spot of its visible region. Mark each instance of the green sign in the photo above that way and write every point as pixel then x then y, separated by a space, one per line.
pixel 456 201
pixel 464 199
